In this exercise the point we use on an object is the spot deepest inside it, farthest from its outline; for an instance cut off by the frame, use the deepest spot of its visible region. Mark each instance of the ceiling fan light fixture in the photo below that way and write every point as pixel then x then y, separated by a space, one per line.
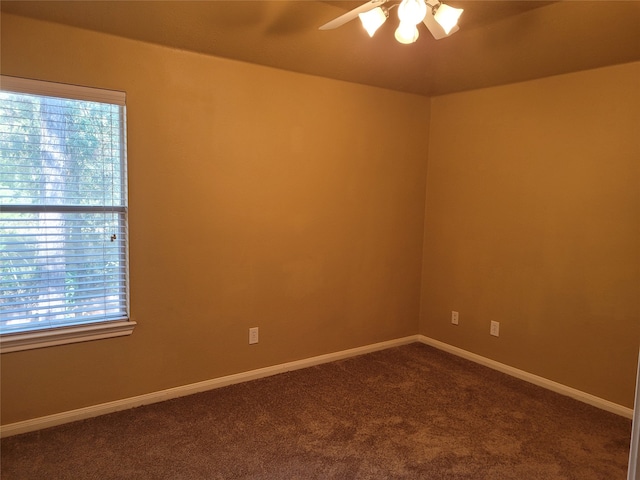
pixel 412 11
pixel 407 33
pixel 441 20
pixel 447 16
pixel 373 19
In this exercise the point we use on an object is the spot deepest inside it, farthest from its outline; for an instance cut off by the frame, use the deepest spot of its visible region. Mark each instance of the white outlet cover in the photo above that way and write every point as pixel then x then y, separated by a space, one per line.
pixel 253 335
pixel 454 317
pixel 495 329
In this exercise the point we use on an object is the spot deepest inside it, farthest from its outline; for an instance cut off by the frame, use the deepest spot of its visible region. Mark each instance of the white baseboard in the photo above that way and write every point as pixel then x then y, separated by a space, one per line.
pixel 531 378
pixel 154 397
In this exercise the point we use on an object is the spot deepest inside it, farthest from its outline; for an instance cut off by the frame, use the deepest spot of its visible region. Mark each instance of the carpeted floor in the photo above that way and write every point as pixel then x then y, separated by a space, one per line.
pixel 410 412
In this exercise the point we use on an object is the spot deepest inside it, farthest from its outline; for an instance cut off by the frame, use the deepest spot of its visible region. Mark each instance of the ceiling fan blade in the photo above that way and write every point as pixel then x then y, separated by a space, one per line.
pixel 435 28
pixel 350 15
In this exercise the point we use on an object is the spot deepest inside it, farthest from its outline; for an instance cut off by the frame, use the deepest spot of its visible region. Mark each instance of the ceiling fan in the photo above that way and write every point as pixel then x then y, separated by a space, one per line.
pixel 440 19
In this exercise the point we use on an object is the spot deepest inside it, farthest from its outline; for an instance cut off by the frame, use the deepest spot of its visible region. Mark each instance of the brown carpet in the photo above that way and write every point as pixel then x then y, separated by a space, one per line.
pixel 410 412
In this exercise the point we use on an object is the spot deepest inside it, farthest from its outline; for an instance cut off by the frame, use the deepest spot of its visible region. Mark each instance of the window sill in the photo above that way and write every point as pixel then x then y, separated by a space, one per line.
pixel 60 336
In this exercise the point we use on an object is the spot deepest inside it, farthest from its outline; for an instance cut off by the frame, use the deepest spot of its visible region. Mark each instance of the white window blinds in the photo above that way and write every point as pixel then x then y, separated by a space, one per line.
pixel 63 206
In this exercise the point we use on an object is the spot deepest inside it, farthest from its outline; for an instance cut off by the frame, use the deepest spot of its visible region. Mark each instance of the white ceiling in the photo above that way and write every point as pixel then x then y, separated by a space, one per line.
pixel 499 42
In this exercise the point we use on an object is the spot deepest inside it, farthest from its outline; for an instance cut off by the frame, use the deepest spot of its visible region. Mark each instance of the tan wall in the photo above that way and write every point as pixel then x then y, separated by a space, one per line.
pixel 533 220
pixel 258 197
pixel 294 203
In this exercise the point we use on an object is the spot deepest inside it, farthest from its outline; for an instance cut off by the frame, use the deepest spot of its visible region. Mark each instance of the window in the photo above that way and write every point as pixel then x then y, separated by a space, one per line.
pixel 63 214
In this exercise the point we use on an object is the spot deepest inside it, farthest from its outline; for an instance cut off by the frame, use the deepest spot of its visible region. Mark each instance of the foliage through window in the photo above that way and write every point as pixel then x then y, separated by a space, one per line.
pixel 63 206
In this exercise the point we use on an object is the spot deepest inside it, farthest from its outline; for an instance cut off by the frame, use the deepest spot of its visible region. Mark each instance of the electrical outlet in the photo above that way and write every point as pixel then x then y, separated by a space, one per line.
pixel 495 329
pixel 454 317
pixel 253 335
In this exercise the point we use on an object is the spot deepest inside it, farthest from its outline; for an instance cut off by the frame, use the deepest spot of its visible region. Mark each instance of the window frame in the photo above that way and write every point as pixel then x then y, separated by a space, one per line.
pixel 93 330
